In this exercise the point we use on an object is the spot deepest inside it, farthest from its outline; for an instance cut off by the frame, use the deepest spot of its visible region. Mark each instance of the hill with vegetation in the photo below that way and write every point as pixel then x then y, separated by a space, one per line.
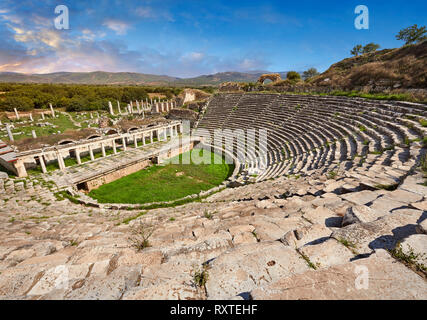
pixel 98 77
pixel 404 67
pixel 76 97
pixel 129 78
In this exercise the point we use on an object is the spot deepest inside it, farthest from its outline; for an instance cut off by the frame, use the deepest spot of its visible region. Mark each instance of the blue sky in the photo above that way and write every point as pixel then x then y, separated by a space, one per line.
pixel 191 38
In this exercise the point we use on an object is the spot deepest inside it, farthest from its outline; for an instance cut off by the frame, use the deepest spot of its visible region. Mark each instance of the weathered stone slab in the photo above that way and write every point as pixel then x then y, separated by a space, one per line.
pixel 59 277
pixel 360 213
pixel 386 280
pixel 335 186
pixel 111 287
pixel 403 196
pixel 266 229
pixel 416 244
pixel 243 268
pixel 170 290
pixel 19 280
pixel 422 227
pixel 383 233
pixel 327 253
pixel 324 216
pixel 306 235
pixel 422 205
pixel 235 230
pixel 414 184
pixel 383 206
pixel 362 197
pixel 245 237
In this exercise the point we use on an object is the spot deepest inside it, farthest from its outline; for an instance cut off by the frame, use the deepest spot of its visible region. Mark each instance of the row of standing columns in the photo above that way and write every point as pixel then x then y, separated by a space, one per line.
pixel 171 131
pixel 164 106
pixel 30 115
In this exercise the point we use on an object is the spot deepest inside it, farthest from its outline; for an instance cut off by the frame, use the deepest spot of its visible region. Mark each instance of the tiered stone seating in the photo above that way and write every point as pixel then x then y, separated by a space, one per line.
pixel 307 133
pixel 299 237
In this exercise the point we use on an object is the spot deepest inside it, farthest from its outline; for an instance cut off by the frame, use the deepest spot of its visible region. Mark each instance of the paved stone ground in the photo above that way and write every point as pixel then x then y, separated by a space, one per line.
pixel 305 238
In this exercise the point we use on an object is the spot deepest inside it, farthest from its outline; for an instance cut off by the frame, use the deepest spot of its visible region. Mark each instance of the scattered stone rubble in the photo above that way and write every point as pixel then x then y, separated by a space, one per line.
pixel 298 246
pixel 299 232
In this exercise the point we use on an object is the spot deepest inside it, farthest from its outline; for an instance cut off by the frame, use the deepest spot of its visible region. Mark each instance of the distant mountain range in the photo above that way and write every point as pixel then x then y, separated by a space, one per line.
pixel 129 78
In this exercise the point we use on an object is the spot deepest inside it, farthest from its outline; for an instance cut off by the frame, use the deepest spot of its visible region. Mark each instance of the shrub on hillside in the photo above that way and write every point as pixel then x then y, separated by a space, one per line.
pixel 20 103
pixel 293 77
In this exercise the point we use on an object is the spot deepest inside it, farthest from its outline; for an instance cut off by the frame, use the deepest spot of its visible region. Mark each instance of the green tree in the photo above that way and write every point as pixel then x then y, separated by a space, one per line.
pixel 310 73
pixel 20 103
pixel 77 104
pixel 293 76
pixel 357 50
pixel 412 34
pixel 370 47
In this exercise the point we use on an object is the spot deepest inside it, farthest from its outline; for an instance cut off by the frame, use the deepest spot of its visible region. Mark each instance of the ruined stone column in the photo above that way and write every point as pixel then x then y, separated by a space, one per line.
pixel 9 132
pixel 114 147
pixel 91 153
pixel 135 141
pixel 103 150
pixel 20 168
pixel 43 116
pixel 33 133
pixel 31 117
pixel 118 106
pixel 110 106
pixel 157 107
pixel 143 139
pixel 51 110
pixel 16 113
pixel 79 160
pixel 151 136
pixel 124 143
pixel 42 164
pixel 60 161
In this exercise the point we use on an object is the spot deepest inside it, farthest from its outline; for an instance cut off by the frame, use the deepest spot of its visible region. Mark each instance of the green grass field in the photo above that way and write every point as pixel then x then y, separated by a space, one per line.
pixel 165 183
pixel 62 123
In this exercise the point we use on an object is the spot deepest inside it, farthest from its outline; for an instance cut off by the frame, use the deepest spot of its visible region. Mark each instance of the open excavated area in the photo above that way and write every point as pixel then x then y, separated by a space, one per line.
pixel 333 206
pixel 170 181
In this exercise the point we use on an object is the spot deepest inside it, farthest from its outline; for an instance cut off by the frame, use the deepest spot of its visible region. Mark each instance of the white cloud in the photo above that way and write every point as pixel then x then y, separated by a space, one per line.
pixel 145 12
pixel 193 57
pixel 151 13
pixel 119 27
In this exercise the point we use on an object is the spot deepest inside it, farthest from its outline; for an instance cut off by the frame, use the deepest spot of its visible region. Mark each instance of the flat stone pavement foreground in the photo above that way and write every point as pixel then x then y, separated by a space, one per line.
pixel 377 277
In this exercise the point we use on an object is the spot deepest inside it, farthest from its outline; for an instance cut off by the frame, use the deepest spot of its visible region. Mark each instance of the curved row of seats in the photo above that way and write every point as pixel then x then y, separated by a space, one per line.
pixel 307 133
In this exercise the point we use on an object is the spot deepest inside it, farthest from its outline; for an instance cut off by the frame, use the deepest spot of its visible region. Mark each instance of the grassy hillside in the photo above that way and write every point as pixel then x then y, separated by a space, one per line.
pixel 128 78
pixel 404 67
pixel 98 77
pixel 217 78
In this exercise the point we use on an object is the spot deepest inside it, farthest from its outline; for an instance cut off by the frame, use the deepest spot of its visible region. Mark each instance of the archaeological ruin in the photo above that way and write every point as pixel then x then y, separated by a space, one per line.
pixel 324 188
